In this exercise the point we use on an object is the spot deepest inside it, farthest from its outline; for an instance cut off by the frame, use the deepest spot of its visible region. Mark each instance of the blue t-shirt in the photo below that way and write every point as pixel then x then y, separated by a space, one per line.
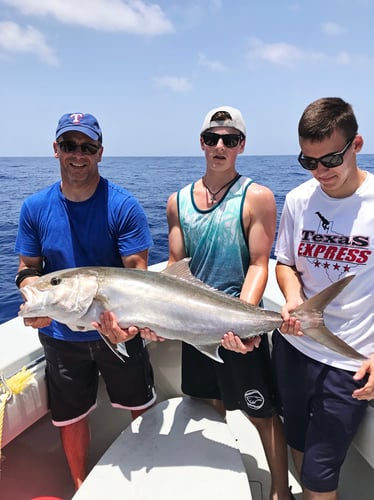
pixel 94 232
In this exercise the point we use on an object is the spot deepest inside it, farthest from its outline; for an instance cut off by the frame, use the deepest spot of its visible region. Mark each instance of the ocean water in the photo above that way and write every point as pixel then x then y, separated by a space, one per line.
pixel 150 179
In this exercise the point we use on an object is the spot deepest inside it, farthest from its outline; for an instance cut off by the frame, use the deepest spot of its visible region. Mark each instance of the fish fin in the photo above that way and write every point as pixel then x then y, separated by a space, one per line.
pixel 323 298
pixel 323 335
pixel 181 269
pixel 117 349
pixel 314 307
pixel 209 350
pixel 121 348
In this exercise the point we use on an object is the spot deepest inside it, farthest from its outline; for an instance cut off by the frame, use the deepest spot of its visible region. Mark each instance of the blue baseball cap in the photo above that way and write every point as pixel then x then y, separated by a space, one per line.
pixel 79 122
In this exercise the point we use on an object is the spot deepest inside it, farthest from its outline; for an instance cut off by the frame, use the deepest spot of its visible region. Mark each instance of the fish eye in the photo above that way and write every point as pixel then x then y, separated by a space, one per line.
pixel 55 281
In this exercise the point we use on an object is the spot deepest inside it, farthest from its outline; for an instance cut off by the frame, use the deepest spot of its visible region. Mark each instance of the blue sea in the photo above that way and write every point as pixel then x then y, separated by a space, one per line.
pixel 150 179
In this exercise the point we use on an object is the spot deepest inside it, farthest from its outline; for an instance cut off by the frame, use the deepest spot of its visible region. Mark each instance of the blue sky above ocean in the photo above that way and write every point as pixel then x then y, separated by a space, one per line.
pixel 150 70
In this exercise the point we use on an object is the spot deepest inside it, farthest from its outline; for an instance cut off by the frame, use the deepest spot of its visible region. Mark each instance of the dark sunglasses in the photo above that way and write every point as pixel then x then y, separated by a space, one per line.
pixel 87 148
pixel 331 160
pixel 229 140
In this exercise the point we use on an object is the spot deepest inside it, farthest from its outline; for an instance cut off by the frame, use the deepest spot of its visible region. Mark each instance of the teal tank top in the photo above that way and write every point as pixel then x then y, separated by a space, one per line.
pixel 215 239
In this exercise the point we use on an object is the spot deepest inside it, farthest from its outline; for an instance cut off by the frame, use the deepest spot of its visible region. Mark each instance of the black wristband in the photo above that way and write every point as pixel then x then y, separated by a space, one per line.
pixel 26 273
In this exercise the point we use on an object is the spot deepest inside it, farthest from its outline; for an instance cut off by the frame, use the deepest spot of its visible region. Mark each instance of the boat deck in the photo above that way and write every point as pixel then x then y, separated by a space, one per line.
pixel 33 464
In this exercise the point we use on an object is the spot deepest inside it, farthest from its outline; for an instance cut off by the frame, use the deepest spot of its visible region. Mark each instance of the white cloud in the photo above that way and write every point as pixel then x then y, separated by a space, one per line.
pixel 177 84
pixel 213 65
pixel 28 40
pixel 281 53
pixel 132 16
pixel 290 56
pixel 332 29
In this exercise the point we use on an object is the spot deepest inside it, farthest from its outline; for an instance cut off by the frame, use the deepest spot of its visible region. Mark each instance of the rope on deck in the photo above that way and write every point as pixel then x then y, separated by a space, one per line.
pixel 10 387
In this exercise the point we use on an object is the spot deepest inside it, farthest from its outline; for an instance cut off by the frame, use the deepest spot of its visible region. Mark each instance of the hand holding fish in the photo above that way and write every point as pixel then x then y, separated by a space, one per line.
pixel 234 343
pixel 77 297
pixel 39 322
pixel 150 335
pixel 109 327
pixel 367 391
pixel 290 325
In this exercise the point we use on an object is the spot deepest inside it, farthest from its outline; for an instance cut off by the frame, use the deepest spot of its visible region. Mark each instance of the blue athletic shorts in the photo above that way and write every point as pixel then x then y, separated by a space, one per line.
pixel 242 382
pixel 72 373
pixel 320 415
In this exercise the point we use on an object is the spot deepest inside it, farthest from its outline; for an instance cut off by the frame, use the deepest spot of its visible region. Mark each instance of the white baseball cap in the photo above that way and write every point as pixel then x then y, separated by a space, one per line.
pixel 234 119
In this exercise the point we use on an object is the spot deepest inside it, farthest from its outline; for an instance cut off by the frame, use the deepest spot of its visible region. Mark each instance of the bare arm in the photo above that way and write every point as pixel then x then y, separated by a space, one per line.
pixel 260 222
pixel 29 263
pixel 176 240
pixel 290 284
pixel 136 261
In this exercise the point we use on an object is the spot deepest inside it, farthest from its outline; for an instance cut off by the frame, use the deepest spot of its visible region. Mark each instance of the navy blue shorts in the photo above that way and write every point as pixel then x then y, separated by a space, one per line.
pixel 72 372
pixel 320 415
pixel 242 382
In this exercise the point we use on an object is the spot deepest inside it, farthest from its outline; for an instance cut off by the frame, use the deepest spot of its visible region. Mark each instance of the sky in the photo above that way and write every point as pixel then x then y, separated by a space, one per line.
pixel 151 70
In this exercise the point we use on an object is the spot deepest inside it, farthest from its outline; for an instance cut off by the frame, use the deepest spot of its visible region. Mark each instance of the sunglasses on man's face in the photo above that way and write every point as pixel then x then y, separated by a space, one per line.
pixel 330 160
pixel 229 140
pixel 87 148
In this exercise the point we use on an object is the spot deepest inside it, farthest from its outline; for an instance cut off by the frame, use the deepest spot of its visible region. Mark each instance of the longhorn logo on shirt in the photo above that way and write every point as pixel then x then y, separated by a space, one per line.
pixel 325 223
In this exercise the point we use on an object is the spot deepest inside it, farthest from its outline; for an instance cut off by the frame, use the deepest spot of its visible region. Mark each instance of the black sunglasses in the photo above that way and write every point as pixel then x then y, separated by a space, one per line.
pixel 87 148
pixel 331 160
pixel 229 140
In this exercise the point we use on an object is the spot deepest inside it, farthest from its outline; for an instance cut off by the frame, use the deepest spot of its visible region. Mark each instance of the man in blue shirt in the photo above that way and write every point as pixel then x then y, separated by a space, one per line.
pixel 85 220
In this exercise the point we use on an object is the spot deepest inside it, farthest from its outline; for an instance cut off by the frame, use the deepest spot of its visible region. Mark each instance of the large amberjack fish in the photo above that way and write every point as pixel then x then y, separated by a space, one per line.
pixel 173 303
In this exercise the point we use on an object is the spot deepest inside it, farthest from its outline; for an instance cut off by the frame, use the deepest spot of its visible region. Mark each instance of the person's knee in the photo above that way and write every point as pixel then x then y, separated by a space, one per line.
pixel 320 478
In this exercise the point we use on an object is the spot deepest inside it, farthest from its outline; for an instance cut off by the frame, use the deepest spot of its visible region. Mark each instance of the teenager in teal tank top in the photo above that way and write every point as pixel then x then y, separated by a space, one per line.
pixel 215 238
pixel 225 223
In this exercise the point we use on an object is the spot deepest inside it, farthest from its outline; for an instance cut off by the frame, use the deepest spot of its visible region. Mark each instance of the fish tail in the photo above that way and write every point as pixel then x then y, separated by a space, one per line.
pixel 319 331
pixel 323 298
pixel 323 335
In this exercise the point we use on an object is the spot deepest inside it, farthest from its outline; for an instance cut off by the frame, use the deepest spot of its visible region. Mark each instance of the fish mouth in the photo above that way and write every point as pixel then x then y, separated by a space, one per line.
pixel 25 292
pixel 30 297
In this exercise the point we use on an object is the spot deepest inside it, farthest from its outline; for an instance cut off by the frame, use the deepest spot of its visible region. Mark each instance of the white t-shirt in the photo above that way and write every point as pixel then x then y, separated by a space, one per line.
pixel 326 239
